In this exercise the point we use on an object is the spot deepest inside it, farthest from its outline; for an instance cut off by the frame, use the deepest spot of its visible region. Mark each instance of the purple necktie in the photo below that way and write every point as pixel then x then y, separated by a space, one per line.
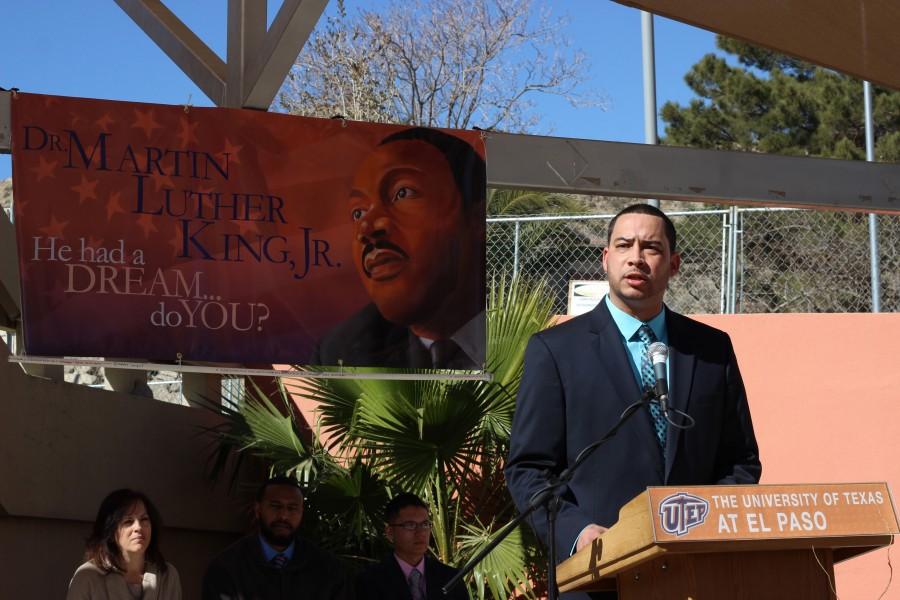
pixel 415 585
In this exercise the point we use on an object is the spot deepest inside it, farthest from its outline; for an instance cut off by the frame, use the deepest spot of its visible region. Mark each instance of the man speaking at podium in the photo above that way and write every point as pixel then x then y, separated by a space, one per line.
pixel 581 375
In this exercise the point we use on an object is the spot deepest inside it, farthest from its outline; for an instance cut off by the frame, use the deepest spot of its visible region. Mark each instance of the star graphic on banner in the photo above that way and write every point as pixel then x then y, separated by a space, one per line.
pixel 114 205
pixel 206 190
pixel 144 120
pixel 86 190
pixel 162 180
pixel 94 242
pixel 50 101
pixel 104 122
pixel 74 119
pixel 44 169
pixel 187 132
pixel 145 222
pixel 232 151
pixel 245 227
pixel 54 228
pixel 176 242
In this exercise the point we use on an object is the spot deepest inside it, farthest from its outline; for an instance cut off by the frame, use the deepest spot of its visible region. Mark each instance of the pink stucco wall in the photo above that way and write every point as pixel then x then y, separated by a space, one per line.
pixel 824 391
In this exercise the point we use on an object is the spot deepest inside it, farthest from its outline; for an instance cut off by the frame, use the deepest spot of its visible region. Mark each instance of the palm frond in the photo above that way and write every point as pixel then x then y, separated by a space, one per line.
pixel 347 504
pixel 517 309
pixel 501 571
pixel 257 426
pixel 336 401
pixel 527 202
pixel 422 429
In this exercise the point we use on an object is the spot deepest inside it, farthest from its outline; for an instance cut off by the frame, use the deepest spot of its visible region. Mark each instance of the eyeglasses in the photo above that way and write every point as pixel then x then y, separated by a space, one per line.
pixel 413 526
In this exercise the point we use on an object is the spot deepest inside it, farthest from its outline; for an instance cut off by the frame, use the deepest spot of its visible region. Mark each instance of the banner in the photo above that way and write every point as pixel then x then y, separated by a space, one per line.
pixel 205 234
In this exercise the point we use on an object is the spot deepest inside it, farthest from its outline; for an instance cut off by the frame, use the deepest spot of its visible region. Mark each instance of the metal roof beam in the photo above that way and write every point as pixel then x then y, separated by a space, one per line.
pixel 246 32
pixel 690 174
pixel 258 60
pixel 189 52
pixel 269 66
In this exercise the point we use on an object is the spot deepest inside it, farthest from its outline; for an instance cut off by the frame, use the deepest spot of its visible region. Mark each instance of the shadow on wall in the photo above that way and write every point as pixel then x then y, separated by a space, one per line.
pixel 65 446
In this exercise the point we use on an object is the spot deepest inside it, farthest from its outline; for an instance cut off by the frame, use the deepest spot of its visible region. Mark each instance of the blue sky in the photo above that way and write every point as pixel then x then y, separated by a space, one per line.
pixel 90 48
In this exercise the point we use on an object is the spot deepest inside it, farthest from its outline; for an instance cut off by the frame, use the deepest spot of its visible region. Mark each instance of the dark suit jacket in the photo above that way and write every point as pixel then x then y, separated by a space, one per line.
pixel 577 382
pixel 367 339
pixel 241 572
pixel 385 581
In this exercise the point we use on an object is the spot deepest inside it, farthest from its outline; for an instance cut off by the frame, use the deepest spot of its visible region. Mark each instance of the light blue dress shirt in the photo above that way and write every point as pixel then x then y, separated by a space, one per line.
pixel 628 327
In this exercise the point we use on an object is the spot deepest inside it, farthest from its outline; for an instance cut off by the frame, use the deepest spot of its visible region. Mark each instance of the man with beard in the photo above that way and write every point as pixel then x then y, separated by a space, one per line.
pixel 418 207
pixel 273 563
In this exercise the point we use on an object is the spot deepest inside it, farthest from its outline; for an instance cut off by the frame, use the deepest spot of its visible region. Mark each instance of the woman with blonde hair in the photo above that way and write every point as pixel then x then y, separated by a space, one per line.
pixel 122 556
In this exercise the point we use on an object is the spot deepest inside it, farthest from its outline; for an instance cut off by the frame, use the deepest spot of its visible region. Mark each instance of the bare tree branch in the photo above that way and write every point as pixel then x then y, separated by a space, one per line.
pixel 450 63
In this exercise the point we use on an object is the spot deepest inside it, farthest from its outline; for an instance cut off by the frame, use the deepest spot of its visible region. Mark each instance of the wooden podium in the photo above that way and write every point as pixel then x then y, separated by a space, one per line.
pixel 751 541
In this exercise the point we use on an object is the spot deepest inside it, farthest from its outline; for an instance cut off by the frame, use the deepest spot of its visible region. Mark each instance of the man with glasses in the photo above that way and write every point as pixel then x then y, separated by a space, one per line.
pixel 408 573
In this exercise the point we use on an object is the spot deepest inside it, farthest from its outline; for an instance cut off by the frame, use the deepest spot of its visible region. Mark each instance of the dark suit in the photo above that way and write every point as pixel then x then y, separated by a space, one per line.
pixel 385 581
pixel 241 572
pixel 578 380
pixel 367 339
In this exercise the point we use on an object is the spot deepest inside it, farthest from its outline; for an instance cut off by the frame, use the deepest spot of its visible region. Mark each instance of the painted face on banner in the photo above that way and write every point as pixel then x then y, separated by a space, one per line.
pixel 412 245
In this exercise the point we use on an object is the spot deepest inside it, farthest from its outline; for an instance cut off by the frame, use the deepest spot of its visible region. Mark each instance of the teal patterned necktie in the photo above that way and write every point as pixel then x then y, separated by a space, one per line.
pixel 648 380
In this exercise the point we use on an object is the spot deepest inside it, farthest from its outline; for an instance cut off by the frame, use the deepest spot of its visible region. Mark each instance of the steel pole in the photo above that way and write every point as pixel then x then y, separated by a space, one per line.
pixel 732 259
pixel 516 251
pixel 648 61
pixel 874 262
pixel 723 291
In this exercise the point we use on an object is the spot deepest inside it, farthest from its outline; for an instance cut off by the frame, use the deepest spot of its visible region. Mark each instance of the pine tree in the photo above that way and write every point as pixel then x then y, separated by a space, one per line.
pixel 777 104
pixel 760 101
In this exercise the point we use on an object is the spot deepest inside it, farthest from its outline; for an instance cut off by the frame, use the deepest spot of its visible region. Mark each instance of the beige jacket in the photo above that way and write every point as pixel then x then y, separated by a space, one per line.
pixel 91 583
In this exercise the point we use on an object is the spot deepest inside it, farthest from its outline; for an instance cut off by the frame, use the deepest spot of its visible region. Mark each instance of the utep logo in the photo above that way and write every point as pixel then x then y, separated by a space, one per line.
pixel 680 512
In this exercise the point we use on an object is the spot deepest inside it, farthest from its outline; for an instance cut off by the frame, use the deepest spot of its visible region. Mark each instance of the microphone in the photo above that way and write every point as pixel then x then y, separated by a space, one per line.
pixel 658 353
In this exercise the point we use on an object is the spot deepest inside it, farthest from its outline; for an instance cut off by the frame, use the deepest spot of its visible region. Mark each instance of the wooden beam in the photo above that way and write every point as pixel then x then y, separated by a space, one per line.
pixel 857 37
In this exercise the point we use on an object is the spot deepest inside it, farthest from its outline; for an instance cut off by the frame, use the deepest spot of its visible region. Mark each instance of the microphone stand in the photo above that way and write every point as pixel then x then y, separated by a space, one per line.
pixel 550 497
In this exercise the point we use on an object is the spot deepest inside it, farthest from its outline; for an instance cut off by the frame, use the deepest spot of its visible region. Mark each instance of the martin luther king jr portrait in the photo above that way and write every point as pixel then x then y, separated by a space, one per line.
pixel 418 207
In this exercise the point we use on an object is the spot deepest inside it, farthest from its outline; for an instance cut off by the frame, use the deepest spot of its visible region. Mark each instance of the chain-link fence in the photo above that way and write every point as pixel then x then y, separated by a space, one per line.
pixel 750 260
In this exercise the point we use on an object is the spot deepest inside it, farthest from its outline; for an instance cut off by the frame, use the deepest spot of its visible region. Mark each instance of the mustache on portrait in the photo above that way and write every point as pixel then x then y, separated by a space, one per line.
pixel 380 244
